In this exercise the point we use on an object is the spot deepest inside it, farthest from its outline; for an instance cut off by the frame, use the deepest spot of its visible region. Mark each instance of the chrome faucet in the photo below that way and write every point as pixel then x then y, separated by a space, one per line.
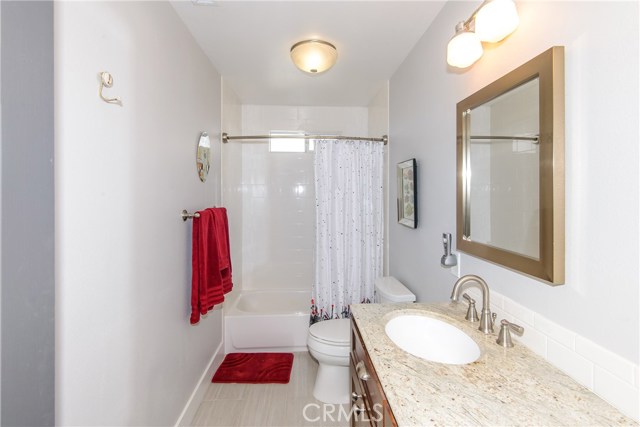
pixel 486 319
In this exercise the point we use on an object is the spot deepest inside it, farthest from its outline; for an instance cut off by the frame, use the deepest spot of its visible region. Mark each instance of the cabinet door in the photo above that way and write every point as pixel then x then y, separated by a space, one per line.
pixel 359 415
pixel 377 409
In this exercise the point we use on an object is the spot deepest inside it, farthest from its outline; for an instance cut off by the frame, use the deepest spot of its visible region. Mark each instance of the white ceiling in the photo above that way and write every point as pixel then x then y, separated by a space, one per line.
pixel 249 42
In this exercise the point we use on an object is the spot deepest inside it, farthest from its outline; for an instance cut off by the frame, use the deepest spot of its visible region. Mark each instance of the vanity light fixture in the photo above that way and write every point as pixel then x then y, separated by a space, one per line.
pixel 314 56
pixel 464 48
pixel 491 22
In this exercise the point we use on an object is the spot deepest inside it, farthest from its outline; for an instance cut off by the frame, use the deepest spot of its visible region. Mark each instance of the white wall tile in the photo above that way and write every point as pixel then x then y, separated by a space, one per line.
pixel 636 376
pixel 500 314
pixel 576 366
pixel 605 359
pixel 378 125
pixel 497 300
pixel 531 338
pixel 232 188
pixel 279 201
pixel 475 294
pixel 552 330
pixel 523 314
pixel 619 393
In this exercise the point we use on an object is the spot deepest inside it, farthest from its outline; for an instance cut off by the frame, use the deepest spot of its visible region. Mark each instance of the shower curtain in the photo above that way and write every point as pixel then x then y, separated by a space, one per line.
pixel 349 225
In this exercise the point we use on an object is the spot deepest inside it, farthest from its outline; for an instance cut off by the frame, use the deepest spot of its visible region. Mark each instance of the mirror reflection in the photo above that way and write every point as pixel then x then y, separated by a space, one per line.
pixel 510 160
pixel 202 156
pixel 504 161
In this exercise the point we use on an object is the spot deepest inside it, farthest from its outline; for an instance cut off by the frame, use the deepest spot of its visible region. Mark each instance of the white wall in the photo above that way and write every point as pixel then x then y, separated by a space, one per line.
pixel 126 353
pixel 279 198
pixel 599 301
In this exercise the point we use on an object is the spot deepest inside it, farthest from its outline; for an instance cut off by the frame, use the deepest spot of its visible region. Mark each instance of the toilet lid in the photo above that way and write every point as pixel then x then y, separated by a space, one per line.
pixel 392 290
pixel 334 330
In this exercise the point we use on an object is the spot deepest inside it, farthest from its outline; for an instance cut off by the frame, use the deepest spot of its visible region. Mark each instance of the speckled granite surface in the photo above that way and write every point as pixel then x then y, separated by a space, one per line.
pixel 511 386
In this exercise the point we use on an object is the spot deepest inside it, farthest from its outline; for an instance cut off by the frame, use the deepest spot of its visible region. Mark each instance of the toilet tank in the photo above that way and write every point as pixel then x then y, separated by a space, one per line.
pixel 390 290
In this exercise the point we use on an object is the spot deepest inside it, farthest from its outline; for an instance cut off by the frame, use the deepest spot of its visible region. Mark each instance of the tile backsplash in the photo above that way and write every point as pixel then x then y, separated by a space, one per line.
pixel 613 378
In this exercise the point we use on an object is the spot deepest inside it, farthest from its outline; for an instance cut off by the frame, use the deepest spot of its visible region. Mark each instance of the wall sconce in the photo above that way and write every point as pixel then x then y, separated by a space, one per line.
pixel 491 22
pixel 314 56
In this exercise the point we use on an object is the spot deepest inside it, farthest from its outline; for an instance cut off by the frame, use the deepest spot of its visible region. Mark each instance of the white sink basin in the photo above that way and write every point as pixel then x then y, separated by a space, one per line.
pixel 432 339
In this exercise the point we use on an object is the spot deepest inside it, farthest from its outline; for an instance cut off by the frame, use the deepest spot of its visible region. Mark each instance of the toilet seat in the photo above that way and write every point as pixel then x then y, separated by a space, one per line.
pixel 334 332
pixel 331 338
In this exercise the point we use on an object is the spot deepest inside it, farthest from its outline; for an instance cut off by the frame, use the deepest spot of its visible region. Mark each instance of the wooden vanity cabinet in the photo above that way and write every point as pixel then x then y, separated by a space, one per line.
pixel 370 406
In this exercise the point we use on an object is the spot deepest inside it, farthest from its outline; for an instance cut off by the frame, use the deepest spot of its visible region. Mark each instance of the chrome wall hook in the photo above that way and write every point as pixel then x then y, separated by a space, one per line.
pixel 106 80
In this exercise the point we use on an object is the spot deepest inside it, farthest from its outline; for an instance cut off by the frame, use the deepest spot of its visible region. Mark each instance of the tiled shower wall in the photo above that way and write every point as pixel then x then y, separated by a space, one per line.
pixel 231 166
pixel 278 200
pixel 378 126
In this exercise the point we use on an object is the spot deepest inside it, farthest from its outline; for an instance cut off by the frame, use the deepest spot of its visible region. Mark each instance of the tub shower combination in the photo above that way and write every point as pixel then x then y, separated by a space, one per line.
pixel 278 319
pixel 270 320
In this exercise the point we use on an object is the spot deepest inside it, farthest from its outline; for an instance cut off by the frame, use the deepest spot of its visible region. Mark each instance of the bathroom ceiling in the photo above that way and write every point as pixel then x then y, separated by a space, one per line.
pixel 249 42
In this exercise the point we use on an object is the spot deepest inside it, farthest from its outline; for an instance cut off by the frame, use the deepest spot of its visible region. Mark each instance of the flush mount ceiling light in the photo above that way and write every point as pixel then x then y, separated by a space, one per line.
pixel 492 21
pixel 314 56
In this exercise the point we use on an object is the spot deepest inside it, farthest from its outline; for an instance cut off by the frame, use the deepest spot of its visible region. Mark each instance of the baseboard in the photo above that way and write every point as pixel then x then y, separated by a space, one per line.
pixel 293 349
pixel 190 409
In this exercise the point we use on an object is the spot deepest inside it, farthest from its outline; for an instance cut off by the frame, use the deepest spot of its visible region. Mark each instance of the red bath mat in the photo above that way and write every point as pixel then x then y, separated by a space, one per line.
pixel 255 368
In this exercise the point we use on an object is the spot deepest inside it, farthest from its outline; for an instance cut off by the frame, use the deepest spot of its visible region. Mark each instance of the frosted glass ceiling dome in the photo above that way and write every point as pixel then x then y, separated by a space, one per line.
pixel 314 56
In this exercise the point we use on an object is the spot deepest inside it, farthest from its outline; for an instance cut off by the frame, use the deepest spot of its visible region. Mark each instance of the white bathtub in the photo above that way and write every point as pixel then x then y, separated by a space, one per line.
pixel 274 320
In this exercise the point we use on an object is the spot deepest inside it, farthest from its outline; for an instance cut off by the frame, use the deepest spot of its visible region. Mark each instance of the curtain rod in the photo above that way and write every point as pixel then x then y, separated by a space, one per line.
pixel 226 137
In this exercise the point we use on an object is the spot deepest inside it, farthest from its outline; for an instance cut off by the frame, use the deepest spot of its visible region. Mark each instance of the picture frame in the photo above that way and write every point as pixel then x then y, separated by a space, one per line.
pixel 406 194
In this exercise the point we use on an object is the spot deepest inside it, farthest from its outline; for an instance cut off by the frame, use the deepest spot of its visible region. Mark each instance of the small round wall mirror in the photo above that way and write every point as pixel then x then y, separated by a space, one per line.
pixel 203 156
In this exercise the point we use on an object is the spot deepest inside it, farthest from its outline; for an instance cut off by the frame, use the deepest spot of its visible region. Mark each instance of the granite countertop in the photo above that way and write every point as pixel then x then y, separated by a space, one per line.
pixel 511 386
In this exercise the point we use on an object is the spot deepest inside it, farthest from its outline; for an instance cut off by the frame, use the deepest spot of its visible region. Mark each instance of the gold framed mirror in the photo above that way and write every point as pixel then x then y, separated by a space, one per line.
pixel 510 169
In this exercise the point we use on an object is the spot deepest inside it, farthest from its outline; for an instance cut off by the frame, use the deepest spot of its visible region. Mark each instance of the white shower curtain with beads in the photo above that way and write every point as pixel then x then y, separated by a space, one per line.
pixel 349 225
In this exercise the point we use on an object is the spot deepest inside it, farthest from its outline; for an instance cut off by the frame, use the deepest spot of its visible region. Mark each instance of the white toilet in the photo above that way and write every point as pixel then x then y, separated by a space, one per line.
pixel 329 344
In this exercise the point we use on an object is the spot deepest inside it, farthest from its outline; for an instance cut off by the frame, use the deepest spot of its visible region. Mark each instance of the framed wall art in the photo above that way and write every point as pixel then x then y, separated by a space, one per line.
pixel 407 201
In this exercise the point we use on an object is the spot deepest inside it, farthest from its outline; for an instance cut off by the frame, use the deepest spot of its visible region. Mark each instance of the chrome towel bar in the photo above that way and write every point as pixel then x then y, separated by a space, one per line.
pixel 186 215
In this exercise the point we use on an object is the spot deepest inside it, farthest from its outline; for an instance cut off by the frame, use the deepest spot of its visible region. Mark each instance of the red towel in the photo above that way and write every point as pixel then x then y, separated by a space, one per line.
pixel 211 262
pixel 222 238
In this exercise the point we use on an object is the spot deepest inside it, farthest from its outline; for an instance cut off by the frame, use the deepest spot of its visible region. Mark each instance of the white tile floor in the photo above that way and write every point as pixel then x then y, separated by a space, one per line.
pixel 253 405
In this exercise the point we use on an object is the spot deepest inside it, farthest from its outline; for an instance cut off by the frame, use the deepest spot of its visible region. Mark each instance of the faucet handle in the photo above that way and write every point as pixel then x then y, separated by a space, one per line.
pixel 504 336
pixel 517 329
pixel 472 313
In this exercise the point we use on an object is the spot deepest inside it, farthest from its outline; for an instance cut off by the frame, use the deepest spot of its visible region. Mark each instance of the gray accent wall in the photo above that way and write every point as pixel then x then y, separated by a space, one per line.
pixel 27 300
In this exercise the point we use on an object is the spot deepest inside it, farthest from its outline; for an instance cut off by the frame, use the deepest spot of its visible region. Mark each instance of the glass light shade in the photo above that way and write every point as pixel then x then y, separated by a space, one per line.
pixel 314 56
pixel 463 49
pixel 496 20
